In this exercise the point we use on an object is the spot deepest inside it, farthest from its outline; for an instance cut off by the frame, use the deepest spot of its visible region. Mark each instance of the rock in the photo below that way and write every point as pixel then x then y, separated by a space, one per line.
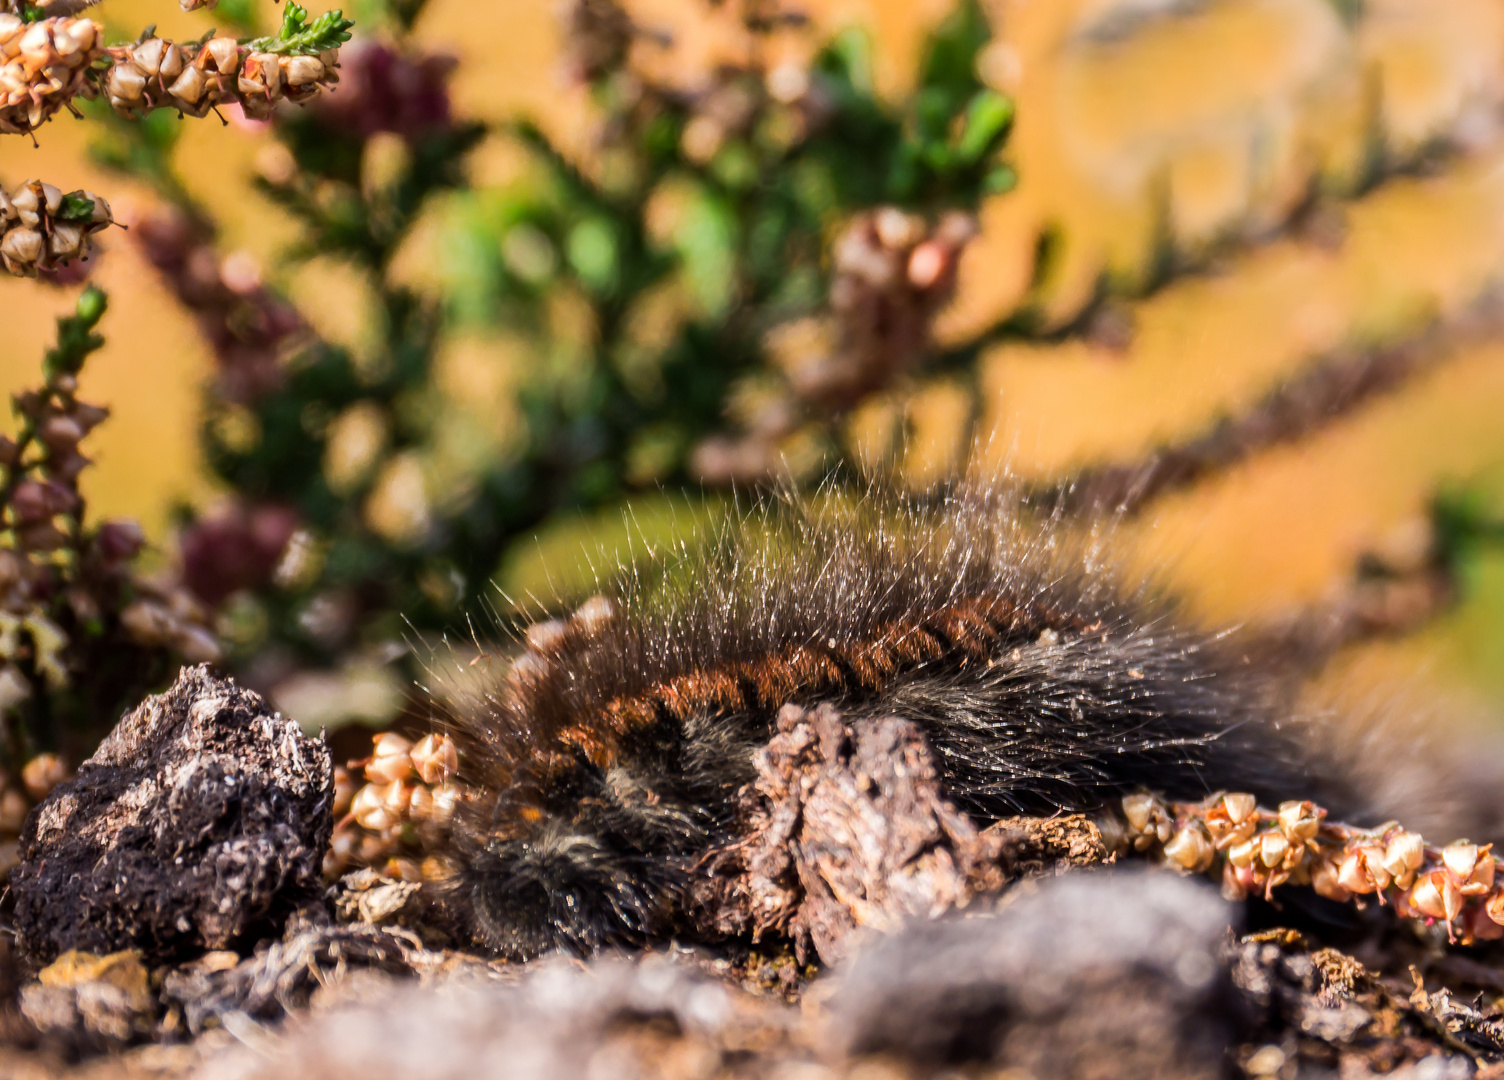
pixel 200 823
pixel 1092 974
pixel 613 1018
pixel 92 1001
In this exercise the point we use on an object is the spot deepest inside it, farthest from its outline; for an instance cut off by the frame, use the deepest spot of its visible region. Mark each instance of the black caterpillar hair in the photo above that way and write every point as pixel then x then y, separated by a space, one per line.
pixel 612 755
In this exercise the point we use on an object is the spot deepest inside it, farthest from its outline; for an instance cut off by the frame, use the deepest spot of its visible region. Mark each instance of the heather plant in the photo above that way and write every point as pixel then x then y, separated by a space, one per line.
pixel 816 229
pixel 84 630
pixel 707 297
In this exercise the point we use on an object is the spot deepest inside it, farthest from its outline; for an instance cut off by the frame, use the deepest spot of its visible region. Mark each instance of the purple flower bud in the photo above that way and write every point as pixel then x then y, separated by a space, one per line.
pixel 28 502
pixel 382 90
pixel 236 549
pixel 119 541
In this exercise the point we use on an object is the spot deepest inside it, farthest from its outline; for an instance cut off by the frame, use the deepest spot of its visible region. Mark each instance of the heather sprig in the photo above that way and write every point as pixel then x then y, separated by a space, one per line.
pixel 299 37
pixel 82 632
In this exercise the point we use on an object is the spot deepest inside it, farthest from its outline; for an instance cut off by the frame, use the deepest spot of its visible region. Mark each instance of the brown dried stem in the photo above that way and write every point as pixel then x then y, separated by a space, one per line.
pixel 1309 403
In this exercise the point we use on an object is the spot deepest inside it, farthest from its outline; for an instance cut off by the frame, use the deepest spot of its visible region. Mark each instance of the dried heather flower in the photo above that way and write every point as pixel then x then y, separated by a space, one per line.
pixel 435 758
pixel 391 762
pixel 408 798
pixel 197 77
pixel 44 65
pixel 41 229
pixel 1403 855
pixel 1256 850
pixel 1437 896
pixel 43 773
pixel 1191 848
pixel 371 810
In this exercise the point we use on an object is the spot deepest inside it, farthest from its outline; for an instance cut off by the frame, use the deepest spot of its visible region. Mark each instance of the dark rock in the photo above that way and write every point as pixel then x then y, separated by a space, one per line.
pixel 1093 974
pixel 200 823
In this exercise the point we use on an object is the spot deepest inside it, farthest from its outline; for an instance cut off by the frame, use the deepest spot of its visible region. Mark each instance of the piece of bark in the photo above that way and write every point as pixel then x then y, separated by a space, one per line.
pixel 282 975
pixel 847 829
pixel 200 823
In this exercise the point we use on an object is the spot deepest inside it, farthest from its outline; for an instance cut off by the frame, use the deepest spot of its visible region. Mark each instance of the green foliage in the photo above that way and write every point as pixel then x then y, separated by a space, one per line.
pixel 299 37
pixel 640 294
pixel 76 338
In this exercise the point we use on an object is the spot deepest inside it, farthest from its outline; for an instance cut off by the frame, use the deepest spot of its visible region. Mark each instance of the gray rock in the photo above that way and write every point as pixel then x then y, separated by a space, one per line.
pixel 1092 974
pixel 199 824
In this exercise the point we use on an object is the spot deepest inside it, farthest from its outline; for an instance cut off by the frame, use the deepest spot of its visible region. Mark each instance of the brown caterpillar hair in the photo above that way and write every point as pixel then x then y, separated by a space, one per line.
pixel 613 753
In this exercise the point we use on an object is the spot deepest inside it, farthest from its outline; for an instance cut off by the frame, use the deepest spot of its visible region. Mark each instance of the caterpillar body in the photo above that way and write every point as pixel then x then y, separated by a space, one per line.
pixel 612 753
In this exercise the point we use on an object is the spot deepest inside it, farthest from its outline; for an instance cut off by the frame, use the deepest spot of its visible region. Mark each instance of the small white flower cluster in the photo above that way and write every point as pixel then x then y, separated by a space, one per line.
pixel 41 228
pixel 195 77
pixel 44 65
pixel 1254 850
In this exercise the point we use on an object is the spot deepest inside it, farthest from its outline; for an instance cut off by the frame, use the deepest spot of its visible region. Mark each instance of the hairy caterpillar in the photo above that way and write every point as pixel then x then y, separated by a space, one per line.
pixel 612 754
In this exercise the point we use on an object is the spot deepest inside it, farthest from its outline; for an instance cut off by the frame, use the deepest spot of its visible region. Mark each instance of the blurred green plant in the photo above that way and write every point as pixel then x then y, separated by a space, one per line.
pixel 738 265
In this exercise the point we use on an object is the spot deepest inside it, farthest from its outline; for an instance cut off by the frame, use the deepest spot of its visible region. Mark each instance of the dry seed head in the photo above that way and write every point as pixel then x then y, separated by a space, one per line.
pixel 41 228
pixel 1299 821
pixel 1272 849
pixel 1436 895
pixel 391 760
pixel 43 773
pixel 1494 907
pixel 1471 867
pixel 420 806
pixel 1324 880
pixel 43 66
pixel 445 798
pixel 397 797
pixel 370 809
pixel 1403 855
pixel 1137 809
pixel 196 77
pixel 1240 806
pixel 1353 875
pixel 1481 880
pixel 1242 855
pixel 435 758
pixel 1238 882
pixel 1190 848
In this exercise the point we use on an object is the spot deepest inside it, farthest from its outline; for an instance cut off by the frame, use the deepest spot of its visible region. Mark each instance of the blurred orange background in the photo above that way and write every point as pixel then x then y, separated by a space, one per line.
pixel 1236 138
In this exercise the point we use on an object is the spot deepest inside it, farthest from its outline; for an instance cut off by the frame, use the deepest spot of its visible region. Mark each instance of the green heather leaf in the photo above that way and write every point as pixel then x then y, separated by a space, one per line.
pixel 987 120
pixel 299 37
pixel 76 207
